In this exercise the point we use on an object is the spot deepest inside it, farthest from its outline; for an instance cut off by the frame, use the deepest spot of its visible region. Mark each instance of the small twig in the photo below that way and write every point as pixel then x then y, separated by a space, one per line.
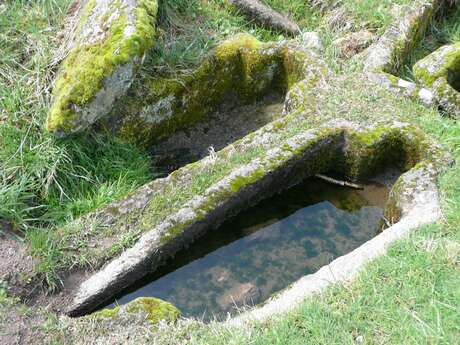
pixel 339 182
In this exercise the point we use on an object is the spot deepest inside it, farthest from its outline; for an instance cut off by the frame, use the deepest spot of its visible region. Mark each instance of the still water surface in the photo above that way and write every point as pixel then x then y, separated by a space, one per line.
pixel 265 248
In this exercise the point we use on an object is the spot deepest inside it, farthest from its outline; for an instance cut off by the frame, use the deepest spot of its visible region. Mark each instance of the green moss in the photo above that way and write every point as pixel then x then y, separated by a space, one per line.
pixel 174 231
pixel 82 74
pixel 154 308
pixel 383 147
pixel 240 182
pixel 370 137
pixel 437 65
pixel 230 48
pixel 105 313
pixel 259 73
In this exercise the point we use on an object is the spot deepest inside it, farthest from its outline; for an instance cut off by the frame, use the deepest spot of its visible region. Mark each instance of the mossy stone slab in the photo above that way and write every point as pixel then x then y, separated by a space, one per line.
pixel 109 41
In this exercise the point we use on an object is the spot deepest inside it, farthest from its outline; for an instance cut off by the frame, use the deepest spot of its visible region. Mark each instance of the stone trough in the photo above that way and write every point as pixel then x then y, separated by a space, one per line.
pixel 128 239
pixel 103 84
pixel 343 148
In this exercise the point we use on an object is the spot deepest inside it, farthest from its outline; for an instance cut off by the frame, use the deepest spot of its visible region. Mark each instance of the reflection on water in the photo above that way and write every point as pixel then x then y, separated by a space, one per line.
pixel 266 248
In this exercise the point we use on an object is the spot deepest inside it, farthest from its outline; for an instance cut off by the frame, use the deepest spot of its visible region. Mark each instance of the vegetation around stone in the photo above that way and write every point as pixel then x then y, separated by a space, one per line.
pixel 409 296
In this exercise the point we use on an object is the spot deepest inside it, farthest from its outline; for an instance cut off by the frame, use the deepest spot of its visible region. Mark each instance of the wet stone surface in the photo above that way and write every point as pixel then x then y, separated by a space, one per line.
pixel 265 248
pixel 223 127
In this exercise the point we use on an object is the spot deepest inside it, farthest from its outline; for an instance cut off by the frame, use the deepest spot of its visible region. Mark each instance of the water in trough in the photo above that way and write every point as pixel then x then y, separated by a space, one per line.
pixel 265 248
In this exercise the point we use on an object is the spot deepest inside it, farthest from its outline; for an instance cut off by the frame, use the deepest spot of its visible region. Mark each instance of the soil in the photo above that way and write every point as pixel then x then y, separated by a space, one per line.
pixel 21 280
pixel 16 265
pixel 19 326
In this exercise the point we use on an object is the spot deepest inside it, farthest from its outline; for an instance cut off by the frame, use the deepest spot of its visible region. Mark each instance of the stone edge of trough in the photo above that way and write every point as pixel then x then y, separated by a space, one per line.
pixel 241 68
pixel 299 157
pixel 396 37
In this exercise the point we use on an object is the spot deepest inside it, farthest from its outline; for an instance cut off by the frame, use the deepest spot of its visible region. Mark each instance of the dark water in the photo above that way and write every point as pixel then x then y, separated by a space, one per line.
pixel 266 248
pixel 454 79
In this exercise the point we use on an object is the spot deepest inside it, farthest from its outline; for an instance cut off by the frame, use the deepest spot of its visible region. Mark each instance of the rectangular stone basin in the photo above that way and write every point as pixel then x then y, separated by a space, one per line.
pixel 265 248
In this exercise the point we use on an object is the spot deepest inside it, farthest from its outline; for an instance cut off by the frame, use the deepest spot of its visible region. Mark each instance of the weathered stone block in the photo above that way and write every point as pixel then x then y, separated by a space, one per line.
pixel 341 147
pixel 440 72
pixel 393 47
pixel 110 40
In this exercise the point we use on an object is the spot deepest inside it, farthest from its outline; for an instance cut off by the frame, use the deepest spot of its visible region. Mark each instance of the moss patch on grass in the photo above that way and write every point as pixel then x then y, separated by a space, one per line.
pixel 154 309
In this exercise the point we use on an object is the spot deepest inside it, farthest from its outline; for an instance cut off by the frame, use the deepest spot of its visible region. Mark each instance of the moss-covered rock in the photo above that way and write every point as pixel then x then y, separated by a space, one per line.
pixel 240 70
pixel 384 59
pixel 110 39
pixel 440 72
pixel 153 309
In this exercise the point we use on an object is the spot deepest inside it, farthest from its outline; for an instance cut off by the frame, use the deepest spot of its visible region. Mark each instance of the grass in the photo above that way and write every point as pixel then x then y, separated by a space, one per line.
pixel 374 14
pixel 189 29
pixel 44 181
pixel 409 296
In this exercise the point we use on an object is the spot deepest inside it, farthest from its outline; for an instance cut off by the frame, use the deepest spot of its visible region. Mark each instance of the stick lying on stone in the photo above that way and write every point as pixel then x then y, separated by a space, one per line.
pixel 339 182
pixel 266 16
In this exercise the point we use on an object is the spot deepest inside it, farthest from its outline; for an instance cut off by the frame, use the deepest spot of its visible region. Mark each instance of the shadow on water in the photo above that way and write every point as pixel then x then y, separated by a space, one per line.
pixel 265 248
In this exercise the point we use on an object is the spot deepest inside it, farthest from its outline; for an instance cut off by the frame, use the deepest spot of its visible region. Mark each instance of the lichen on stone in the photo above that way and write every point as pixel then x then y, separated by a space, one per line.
pixel 111 38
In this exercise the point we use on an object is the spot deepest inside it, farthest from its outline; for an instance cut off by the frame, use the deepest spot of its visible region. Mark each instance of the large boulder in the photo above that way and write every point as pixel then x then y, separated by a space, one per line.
pixel 109 41
pixel 440 72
